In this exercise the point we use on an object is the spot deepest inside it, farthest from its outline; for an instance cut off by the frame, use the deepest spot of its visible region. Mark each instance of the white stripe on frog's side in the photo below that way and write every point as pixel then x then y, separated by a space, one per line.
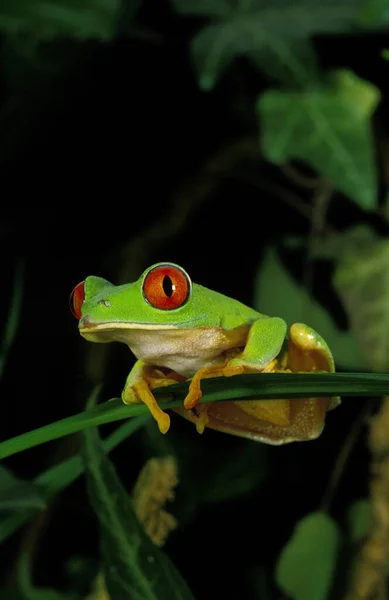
pixel 182 350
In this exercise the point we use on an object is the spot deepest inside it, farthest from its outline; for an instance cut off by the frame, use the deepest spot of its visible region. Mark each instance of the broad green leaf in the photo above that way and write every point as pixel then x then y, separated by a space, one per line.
pixel 18 494
pixel 46 19
pixel 327 127
pixel 362 281
pixel 278 32
pixel 358 516
pixel 278 294
pixel 134 567
pixel 306 566
pixel 251 386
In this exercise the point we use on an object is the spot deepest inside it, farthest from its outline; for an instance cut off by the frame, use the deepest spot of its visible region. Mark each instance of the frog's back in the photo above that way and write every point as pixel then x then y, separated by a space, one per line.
pixel 224 311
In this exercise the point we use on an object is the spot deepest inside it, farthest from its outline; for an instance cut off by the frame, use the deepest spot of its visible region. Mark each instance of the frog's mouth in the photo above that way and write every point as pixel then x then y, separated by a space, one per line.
pixel 123 331
pixel 114 330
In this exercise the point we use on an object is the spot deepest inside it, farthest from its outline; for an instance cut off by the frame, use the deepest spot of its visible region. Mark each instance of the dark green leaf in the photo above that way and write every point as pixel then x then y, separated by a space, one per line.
pixel 278 32
pixel 57 478
pixel 253 386
pixel 327 127
pixel 135 568
pixel 233 475
pixel 18 495
pixel 306 565
pixel 46 19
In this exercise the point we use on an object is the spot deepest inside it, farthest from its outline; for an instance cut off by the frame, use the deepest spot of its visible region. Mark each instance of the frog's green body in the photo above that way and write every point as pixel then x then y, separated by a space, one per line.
pixel 189 331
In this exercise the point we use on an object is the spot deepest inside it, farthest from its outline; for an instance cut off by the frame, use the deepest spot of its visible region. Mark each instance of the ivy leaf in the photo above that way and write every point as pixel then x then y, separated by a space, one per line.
pixel 329 128
pixel 278 33
pixel 278 294
pixel 47 19
pixel 134 567
pixel 306 566
pixel 362 281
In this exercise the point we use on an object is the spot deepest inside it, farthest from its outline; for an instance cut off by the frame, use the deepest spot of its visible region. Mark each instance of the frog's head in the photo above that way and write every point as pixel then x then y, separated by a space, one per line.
pixel 162 298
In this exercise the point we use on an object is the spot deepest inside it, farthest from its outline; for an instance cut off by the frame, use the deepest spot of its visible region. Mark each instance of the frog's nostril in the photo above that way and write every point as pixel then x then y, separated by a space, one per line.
pixel 105 302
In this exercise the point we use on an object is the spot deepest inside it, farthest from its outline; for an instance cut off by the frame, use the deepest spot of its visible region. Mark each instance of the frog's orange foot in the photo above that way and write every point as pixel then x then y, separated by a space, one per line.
pixel 140 392
pixel 219 370
pixel 193 396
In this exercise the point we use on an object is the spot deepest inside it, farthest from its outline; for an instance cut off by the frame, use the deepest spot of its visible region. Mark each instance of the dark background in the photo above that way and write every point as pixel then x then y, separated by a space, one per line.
pixel 116 162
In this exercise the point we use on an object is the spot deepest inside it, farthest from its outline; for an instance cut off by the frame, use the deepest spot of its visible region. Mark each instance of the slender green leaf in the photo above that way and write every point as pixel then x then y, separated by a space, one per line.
pixel 134 567
pixel 358 516
pixel 306 566
pixel 27 588
pixel 57 478
pixel 17 494
pixel 46 19
pixel 277 293
pixel 13 317
pixel 362 281
pixel 328 127
pixel 253 386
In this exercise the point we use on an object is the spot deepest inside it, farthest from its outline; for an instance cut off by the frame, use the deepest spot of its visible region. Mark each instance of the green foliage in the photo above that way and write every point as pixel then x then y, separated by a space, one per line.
pixel 278 293
pixel 234 475
pixel 271 386
pixel 307 564
pixel 304 112
pixel 18 495
pixel 374 13
pixel 47 19
pixel 362 281
pixel 51 482
pixel 328 127
pixel 135 568
pixel 358 517
pixel 275 37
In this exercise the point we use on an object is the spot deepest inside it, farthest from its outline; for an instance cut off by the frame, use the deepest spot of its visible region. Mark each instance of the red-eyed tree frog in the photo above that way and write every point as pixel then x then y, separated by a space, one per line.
pixel 180 330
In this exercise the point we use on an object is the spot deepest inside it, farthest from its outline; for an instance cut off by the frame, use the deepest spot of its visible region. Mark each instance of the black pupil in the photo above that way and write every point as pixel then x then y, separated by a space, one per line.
pixel 167 285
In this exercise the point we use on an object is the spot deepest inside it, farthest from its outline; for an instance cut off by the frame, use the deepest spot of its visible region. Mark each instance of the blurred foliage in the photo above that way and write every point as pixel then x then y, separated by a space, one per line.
pixel 300 96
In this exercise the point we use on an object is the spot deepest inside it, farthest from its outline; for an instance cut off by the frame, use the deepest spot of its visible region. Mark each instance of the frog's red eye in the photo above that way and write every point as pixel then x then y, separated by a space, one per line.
pixel 76 299
pixel 166 287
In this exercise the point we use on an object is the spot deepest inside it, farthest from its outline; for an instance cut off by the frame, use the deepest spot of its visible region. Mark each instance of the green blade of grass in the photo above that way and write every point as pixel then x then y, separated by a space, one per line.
pixel 264 386
pixel 13 317
pixel 57 478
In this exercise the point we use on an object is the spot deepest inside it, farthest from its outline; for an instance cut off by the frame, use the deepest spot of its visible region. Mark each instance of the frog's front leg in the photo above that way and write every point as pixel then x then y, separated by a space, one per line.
pixel 264 342
pixel 137 389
